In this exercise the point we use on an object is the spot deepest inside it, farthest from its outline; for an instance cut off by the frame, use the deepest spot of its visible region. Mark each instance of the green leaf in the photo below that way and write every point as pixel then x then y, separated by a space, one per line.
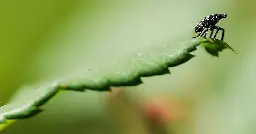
pixel 128 72
pixel 214 46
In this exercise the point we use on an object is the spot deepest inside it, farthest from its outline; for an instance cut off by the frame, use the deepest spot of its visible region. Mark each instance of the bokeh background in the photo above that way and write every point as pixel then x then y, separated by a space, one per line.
pixel 42 40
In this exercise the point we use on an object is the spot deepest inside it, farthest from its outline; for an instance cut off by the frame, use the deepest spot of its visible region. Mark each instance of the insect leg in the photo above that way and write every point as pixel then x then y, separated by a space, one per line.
pixel 212 30
pixel 218 29
pixel 223 33
pixel 211 33
pixel 204 32
pixel 197 35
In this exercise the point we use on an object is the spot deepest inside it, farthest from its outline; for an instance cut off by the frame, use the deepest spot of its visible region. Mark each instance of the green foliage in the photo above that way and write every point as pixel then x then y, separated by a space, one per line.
pixel 213 49
pixel 122 73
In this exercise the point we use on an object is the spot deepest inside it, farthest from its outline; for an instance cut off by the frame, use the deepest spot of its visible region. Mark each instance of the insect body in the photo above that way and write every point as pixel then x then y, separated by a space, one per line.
pixel 209 23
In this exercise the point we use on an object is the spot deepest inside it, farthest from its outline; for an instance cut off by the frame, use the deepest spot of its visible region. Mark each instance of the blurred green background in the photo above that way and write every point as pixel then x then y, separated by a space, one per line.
pixel 42 40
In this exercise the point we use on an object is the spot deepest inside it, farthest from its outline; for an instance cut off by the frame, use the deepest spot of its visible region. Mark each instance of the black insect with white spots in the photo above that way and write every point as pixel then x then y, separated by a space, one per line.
pixel 209 24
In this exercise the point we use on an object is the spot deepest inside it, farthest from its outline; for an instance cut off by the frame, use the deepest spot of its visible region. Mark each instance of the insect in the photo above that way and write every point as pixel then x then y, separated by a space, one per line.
pixel 209 23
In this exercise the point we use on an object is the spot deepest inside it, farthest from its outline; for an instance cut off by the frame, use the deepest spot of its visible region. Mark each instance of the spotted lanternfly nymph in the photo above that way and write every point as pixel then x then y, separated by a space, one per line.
pixel 209 23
